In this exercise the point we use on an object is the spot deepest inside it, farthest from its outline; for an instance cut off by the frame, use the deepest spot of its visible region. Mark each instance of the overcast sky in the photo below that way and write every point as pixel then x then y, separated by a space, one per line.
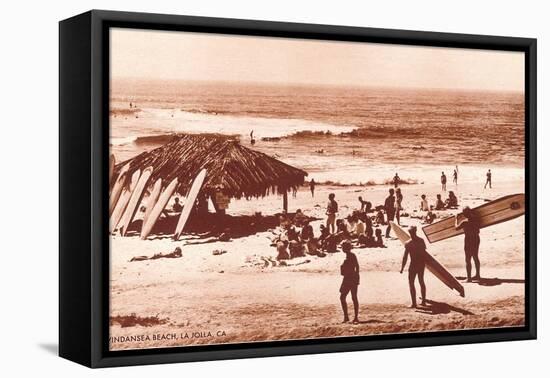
pixel 213 57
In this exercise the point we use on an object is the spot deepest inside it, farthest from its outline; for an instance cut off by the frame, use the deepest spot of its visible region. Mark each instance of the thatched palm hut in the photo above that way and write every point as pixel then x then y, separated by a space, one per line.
pixel 238 170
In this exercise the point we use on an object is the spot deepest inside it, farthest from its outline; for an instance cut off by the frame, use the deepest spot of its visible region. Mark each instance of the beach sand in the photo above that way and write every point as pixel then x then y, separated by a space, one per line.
pixel 240 296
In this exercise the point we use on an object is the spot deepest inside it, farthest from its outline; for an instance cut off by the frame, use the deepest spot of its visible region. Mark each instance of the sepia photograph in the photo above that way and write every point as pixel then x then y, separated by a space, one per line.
pixel 274 189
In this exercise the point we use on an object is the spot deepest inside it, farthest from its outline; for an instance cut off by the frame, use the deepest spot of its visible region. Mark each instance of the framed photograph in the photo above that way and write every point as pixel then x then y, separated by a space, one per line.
pixel 234 188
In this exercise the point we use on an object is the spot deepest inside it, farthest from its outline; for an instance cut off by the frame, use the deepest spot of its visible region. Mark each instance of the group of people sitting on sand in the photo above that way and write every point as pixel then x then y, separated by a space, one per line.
pixel 450 203
pixel 297 237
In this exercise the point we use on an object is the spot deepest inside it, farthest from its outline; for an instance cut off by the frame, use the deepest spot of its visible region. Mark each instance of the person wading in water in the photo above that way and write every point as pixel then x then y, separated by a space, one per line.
pixel 350 282
pixel 470 225
pixel 416 248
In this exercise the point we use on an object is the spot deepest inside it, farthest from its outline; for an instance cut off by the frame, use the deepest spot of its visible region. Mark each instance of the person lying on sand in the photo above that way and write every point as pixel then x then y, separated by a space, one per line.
pixel 350 282
pixel 172 255
pixel 416 248
pixel 452 201
pixel 439 204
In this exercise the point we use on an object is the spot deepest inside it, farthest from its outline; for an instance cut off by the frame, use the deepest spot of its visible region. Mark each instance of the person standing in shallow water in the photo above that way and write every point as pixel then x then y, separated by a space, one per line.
pixel 312 187
pixel 350 283
pixel 488 181
pixel 332 209
pixel 416 248
pixel 470 225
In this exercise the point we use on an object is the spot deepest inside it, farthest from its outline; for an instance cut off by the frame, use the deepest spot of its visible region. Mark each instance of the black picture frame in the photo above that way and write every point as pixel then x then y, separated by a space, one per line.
pixel 83 181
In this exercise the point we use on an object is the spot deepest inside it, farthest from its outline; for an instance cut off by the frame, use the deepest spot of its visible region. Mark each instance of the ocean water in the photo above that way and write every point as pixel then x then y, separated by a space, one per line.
pixel 347 135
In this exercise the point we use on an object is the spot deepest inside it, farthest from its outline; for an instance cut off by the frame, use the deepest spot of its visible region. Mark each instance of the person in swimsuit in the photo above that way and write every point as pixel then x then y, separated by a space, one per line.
pixel 416 249
pixel 350 271
pixel 389 206
pixel 488 181
pixel 332 209
pixel 470 225
pixel 443 182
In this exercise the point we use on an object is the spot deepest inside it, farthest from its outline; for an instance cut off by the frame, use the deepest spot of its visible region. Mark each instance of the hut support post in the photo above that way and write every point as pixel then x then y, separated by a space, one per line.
pixel 285 201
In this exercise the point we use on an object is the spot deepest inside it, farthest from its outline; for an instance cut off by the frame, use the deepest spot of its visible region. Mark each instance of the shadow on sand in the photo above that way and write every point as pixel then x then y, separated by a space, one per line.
pixel 210 226
pixel 494 281
pixel 51 348
pixel 437 308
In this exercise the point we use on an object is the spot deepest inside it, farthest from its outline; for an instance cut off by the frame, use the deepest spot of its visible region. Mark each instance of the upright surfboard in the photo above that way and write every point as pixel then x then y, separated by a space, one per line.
pixel 123 201
pixel 432 264
pixel 488 214
pixel 117 188
pixel 190 203
pixel 152 218
pixel 112 161
pixel 153 197
pixel 135 200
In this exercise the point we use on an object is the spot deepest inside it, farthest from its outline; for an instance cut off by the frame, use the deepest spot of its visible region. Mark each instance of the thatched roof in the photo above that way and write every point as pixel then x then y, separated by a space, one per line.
pixel 240 171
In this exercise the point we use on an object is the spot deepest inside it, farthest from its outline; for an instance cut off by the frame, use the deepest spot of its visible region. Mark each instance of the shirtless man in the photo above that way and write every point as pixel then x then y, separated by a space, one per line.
pixel 471 242
pixel 350 282
pixel 416 248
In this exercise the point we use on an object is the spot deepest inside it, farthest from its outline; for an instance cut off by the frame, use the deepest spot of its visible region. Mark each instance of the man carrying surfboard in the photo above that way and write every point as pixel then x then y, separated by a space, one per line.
pixel 350 282
pixel 470 226
pixel 416 248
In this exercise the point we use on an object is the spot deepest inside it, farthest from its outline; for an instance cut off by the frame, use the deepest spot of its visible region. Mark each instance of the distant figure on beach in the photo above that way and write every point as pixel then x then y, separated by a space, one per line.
pixel 398 207
pixel 252 140
pixel 396 180
pixel 443 182
pixel 350 271
pixel 470 226
pixel 389 206
pixel 332 209
pixel 177 207
pixel 130 104
pixel 455 175
pixel 416 248
pixel 488 181
pixel 439 204
pixel 312 187
pixel 424 203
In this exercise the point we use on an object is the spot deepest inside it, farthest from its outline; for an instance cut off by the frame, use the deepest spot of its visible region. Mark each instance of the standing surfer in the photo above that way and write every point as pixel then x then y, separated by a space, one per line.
pixel 455 175
pixel 470 225
pixel 488 181
pixel 416 248
pixel 350 270
pixel 443 182
pixel 389 206
pixel 332 209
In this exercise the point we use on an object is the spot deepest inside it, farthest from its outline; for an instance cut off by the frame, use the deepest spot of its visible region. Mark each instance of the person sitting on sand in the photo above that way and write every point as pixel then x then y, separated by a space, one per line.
pixel 307 232
pixel 299 218
pixel 350 282
pixel 332 210
pixel 429 217
pixel 296 248
pixel 379 243
pixel 342 229
pixel 364 205
pixel 292 234
pixel 282 251
pixel 389 206
pixel 416 248
pixel 452 201
pixel 439 204
pixel 380 218
pixel 177 207
pixel 424 203
pixel 470 225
